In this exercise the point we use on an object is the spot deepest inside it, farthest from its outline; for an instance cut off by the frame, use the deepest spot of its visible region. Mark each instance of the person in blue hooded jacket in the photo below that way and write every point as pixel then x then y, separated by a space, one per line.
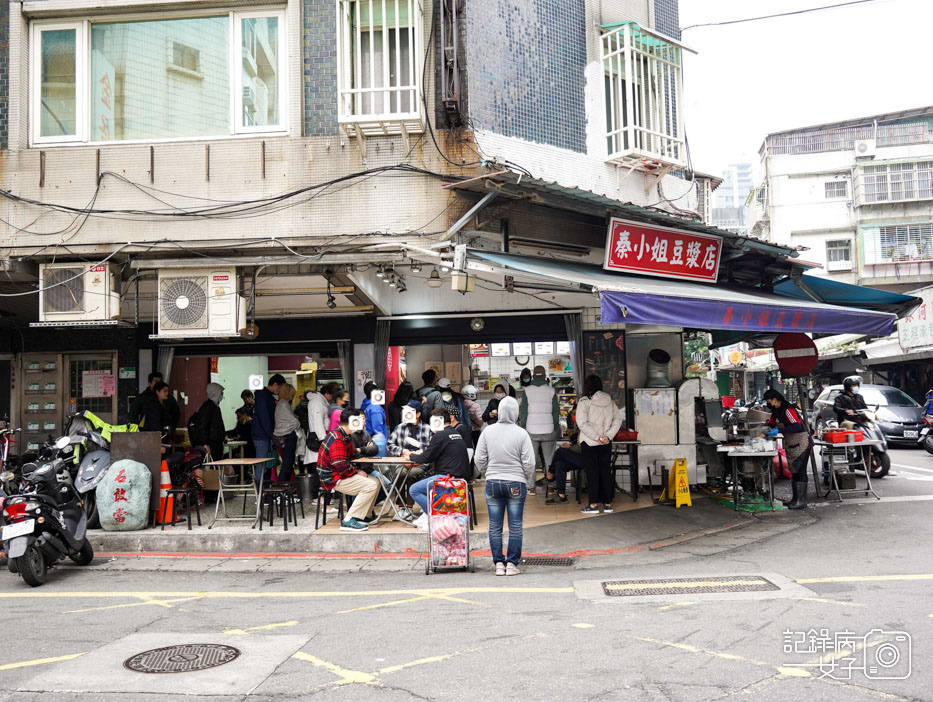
pixel 375 414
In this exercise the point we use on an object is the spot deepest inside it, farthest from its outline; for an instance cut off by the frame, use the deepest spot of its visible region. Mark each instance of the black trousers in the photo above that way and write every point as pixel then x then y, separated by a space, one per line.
pixel 565 460
pixel 597 462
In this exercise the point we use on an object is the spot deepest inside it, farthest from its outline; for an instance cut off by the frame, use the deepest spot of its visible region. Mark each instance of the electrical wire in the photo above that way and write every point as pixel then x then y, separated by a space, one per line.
pixel 66 281
pixel 779 14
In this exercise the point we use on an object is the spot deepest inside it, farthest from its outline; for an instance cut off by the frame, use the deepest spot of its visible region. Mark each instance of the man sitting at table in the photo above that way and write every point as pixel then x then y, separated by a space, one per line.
pixel 567 458
pixel 447 454
pixel 413 436
pixel 338 473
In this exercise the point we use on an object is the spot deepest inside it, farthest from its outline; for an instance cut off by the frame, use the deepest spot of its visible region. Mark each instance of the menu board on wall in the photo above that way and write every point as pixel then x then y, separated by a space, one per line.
pixel 501 349
pixel 521 348
pixel 562 347
pixel 604 355
pixel 544 348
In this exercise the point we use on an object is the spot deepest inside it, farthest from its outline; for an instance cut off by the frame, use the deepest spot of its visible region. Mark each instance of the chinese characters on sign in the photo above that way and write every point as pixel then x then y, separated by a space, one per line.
pixel 119 495
pixel 878 655
pixel 97 383
pixel 667 253
pixel 916 329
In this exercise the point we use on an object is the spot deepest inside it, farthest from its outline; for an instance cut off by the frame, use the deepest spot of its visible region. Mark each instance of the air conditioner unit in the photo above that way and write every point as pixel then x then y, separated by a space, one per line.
pixel 249 96
pixel 77 292
pixel 865 148
pixel 839 265
pixel 200 303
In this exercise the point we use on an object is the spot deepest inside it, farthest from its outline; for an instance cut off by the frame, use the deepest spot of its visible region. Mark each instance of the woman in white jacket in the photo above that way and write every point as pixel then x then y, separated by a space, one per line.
pixel 598 420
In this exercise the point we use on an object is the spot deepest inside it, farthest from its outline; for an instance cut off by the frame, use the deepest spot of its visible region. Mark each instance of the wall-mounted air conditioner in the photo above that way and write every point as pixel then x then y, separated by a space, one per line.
pixel 865 148
pixel 200 302
pixel 77 292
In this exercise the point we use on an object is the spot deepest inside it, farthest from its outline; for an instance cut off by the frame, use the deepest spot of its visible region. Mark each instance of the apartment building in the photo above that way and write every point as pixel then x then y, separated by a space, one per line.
pixel 201 175
pixel 856 195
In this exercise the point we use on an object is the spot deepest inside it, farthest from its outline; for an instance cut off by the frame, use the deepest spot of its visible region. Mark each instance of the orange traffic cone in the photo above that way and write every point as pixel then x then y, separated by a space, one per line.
pixel 164 487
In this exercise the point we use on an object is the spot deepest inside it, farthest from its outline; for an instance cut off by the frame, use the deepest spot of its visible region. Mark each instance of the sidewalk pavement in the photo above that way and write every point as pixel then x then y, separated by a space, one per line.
pixel 651 535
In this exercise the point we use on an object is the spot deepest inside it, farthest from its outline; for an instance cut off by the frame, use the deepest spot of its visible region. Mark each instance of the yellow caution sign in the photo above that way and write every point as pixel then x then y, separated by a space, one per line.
pixel 677 489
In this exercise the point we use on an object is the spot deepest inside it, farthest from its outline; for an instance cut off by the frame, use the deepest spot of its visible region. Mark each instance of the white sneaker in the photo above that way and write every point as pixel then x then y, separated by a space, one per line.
pixel 500 568
pixel 512 569
pixel 421 523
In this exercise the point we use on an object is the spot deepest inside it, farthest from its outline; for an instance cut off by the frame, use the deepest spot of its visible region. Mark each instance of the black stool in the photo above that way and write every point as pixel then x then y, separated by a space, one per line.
pixel 295 495
pixel 191 495
pixel 278 496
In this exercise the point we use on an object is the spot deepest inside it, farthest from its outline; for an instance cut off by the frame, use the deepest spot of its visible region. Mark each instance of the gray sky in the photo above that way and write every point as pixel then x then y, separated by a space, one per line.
pixel 758 77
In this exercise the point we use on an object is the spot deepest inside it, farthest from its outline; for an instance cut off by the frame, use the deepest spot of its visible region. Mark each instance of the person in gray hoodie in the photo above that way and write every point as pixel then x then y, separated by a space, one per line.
pixel 505 456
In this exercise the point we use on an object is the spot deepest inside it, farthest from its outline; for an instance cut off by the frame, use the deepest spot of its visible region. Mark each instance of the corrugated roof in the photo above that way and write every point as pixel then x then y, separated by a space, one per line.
pixel 513 184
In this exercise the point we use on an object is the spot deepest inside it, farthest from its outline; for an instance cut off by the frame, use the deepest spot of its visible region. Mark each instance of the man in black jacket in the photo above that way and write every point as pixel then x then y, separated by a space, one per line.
pixel 447 454
pixel 848 402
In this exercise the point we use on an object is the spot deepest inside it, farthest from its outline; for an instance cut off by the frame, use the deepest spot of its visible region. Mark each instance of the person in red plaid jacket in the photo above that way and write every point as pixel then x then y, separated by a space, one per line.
pixel 335 466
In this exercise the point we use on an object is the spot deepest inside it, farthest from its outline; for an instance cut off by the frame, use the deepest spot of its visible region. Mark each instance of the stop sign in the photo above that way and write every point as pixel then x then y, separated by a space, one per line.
pixel 796 354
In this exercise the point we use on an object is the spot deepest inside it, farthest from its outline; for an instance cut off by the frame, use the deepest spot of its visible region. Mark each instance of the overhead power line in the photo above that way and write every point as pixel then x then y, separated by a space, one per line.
pixel 779 14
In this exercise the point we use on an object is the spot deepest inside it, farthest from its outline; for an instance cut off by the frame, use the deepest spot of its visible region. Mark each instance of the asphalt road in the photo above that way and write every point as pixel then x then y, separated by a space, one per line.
pixel 861 571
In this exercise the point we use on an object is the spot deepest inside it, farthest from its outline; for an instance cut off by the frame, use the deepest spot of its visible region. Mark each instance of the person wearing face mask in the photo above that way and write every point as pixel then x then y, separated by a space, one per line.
pixel 207 430
pixel 340 403
pixel 444 397
pixel 491 415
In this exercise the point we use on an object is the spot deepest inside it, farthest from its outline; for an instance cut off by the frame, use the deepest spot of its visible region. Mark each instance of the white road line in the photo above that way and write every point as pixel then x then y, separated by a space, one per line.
pixel 907 467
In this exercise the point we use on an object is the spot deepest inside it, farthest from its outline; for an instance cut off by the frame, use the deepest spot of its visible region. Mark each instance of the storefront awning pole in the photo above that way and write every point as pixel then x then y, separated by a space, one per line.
pixel 464 220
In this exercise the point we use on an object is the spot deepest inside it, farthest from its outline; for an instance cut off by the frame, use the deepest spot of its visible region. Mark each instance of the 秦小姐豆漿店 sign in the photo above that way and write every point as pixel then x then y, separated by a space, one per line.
pixel 662 252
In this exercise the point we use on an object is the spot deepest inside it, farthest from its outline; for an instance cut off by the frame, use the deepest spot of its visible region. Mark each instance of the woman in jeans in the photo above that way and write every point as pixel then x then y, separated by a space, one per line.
pixel 598 420
pixel 285 433
pixel 505 455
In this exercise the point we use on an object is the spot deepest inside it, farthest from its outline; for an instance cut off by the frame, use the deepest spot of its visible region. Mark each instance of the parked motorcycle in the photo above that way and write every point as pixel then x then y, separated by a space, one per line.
pixel 89 449
pixel 926 434
pixel 44 524
pixel 880 459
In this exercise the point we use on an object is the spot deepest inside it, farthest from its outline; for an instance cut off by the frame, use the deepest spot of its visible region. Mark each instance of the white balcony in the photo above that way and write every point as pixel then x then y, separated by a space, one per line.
pixel 890 182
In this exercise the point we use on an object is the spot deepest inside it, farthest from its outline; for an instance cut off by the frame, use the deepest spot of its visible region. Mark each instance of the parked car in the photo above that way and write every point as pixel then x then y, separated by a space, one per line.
pixel 899 415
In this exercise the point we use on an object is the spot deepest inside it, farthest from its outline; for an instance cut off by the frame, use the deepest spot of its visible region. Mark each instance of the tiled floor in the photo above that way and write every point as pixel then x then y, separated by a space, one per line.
pixel 536 512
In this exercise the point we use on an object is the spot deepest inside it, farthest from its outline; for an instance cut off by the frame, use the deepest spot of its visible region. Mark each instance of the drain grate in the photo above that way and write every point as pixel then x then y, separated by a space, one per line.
pixel 184 658
pixel 545 561
pixel 686 586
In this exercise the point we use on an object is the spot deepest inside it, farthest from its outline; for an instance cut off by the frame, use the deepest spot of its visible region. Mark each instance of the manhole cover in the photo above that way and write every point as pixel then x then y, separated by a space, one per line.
pixel 181 659
pixel 685 586
pixel 543 561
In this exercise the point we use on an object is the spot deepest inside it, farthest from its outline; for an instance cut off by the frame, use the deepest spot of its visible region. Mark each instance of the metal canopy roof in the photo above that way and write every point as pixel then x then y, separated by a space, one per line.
pixel 551 194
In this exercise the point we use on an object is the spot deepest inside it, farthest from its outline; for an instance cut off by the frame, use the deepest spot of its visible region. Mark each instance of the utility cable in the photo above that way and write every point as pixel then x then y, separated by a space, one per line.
pixel 779 14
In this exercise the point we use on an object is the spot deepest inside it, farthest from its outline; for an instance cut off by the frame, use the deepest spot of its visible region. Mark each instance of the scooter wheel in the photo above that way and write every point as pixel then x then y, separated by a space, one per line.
pixel 880 465
pixel 90 509
pixel 85 555
pixel 32 567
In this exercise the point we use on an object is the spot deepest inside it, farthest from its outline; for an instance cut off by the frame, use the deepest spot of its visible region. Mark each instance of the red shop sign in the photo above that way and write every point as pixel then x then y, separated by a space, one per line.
pixel 662 252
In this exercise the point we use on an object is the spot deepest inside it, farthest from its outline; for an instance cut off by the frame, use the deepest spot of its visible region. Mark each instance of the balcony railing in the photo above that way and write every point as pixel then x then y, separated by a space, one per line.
pixel 900 243
pixel 844 138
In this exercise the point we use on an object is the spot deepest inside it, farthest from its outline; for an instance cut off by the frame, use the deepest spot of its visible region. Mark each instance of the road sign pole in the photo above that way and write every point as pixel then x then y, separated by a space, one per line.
pixel 804 415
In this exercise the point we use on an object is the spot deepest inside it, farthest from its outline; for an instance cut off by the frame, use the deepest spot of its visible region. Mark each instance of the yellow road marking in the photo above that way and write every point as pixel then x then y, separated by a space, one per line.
pixel 865 578
pixel 461 600
pixel 824 600
pixel 385 604
pixel 145 601
pixel 664 608
pixel 41 661
pixel 347 677
pixel 260 628
pixel 583 625
pixel 284 595
pixel 695 583
pixel 359 677
pixel 792 672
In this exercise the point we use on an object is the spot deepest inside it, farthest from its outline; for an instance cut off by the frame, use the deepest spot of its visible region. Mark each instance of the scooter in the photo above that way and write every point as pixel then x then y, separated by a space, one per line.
pixel 880 459
pixel 926 434
pixel 90 437
pixel 44 524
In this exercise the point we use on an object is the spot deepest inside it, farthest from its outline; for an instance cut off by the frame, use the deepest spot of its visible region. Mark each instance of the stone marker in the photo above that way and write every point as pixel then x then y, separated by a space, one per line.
pixel 123 496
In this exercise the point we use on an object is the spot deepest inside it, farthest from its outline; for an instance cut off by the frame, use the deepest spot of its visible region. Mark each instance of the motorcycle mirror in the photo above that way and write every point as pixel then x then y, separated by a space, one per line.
pixel 62 442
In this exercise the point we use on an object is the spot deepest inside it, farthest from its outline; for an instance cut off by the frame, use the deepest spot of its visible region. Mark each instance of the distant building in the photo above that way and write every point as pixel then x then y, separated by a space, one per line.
pixel 857 194
pixel 729 209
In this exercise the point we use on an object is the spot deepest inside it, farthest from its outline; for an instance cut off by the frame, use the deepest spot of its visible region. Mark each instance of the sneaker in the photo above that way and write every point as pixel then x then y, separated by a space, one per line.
pixel 607 509
pixel 500 568
pixel 421 522
pixel 590 510
pixel 512 569
pixel 369 520
pixel 353 525
pixel 556 500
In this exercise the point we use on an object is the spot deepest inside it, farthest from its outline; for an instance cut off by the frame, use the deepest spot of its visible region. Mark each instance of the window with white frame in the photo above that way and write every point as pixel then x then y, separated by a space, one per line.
pixel 894 182
pixel 839 255
pixel 898 243
pixel 379 62
pixel 835 189
pixel 643 84
pixel 209 75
